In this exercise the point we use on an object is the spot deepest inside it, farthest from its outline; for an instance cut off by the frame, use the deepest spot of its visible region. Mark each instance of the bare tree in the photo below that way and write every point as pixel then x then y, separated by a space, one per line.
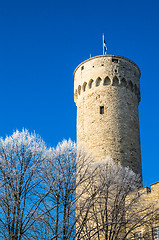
pixel 61 193
pixel 115 207
pixel 21 156
pixel 38 187
pixel 62 178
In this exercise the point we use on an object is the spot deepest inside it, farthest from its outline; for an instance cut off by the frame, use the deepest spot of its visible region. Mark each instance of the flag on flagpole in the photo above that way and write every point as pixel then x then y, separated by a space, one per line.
pixel 104 46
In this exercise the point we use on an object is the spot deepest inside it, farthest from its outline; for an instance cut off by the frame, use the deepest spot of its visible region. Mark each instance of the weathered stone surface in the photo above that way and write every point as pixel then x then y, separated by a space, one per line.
pixel 111 82
pixel 148 203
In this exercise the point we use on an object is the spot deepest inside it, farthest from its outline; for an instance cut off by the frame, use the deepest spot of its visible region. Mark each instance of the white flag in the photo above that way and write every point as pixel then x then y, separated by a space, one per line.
pixel 105 47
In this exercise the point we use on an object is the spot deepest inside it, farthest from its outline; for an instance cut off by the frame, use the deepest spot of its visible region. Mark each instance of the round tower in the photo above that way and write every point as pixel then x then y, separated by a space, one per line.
pixel 107 94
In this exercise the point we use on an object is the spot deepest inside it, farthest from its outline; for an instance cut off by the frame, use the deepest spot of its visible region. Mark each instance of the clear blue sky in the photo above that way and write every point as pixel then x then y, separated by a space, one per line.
pixel 42 42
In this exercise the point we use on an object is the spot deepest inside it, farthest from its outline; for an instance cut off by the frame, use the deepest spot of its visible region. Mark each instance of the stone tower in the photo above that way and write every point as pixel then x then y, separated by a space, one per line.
pixel 107 94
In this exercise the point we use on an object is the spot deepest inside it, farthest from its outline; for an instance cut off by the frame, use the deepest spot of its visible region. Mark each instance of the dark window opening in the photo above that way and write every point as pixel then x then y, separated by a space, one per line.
pixel 138 236
pixel 90 83
pixel 156 233
pixel 107 81
pixel 123 82
pixel 98 81
pixel 115 60
pixel 101 109
pixel 82 67
pixel 115 81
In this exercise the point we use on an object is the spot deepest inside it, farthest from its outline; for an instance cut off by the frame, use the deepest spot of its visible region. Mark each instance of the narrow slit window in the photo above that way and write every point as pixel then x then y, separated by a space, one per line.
pixel 101 109
pixel 82 68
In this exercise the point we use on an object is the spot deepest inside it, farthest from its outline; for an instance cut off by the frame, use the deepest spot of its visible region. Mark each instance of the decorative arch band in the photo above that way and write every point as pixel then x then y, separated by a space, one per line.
pixel 106 82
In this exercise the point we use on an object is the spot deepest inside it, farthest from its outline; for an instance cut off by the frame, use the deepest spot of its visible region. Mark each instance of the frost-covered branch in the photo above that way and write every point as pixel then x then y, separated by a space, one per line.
pixel 21 156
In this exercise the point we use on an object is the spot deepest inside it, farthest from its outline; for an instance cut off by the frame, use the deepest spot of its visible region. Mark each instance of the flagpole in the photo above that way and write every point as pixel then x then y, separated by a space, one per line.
pixel 103 43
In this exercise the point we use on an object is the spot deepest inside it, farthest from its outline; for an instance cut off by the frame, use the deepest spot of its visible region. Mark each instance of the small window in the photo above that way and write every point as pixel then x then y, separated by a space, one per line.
pixel 82 67
pixel 138 236
pixel 123 82
pixel 130 85
pixel 135 89
pixel 107 81
pixel 84 86
pixel 115 60
pixel 101 109
pixel 156 233
pixel 79 90
pixel 90 83
pixel 98 81
pixel 115 81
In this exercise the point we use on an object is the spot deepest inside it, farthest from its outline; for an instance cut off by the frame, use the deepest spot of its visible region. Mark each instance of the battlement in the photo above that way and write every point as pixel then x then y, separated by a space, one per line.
pixel 153 189
pixel 106 70
pixel 148 194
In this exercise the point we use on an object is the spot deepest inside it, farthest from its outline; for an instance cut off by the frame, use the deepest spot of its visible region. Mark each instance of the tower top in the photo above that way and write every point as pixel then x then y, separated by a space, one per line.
pixel 117 57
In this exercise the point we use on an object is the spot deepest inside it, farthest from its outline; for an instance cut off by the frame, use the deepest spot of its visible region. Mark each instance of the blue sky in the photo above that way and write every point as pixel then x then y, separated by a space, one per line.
pixel 42 42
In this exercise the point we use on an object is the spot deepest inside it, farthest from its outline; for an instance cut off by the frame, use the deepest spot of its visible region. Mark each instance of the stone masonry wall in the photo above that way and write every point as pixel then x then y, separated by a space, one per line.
pixel 111 83
pixel 149 200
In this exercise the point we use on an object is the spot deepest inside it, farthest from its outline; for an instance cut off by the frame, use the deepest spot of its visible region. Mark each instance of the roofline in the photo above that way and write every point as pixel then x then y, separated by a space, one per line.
pixel 108 55
pixel 154 183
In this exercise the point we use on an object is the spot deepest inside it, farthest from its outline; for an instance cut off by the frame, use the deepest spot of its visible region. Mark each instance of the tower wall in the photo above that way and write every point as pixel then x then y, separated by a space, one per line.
pixel 107 94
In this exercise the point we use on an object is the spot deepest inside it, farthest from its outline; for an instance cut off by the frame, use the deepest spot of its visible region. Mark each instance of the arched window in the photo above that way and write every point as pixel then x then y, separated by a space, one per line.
pixel 107 81
pixel 90 83
pixel 84 86
pixel 138 93
pixel 75 95
pixel 115 81
pixel 98 81
pixel 130 85
pixel 135 89
pixel 123 82
pixel 79 89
